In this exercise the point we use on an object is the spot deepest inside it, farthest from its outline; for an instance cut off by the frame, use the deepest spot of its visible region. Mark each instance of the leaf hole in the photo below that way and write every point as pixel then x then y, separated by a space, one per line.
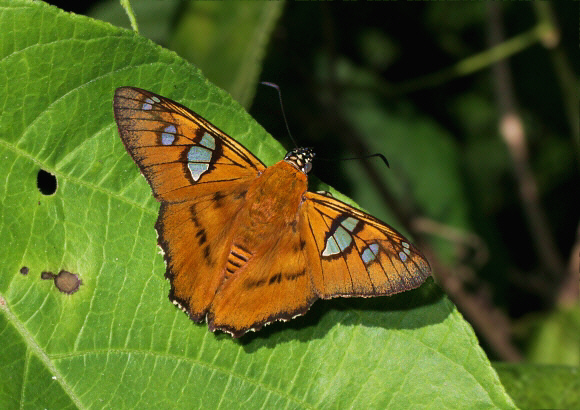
pixel 46 182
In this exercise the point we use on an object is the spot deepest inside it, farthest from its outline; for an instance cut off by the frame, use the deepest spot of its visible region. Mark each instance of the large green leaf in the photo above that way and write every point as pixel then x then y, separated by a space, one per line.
pixel 118 341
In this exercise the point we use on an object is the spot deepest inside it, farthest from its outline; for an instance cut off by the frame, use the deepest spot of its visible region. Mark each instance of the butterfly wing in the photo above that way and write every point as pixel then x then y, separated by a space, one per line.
pixel 351 253
pixel 336 250
pixel 273 285
pixel 200 175
pixel 182 155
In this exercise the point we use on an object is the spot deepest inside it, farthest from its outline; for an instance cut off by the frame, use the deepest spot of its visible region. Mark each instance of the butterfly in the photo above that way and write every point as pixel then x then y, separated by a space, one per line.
pixel 245 244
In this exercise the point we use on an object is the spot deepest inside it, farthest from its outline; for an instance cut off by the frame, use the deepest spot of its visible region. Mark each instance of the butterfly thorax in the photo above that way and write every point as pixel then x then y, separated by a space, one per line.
pixel 272 205
pixel 275 196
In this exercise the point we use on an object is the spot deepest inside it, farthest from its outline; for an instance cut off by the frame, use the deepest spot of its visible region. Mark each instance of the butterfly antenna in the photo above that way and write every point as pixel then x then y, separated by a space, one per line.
pixel 273 85
pixel 381 156
pixel 281 107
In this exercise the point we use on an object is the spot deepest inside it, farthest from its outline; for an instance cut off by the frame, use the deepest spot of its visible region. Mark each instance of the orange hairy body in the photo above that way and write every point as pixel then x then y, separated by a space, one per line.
pixel 272 204
pixel 266 239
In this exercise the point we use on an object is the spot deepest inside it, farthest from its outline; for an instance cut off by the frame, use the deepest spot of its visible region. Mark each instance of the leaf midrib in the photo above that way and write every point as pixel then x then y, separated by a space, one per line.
pixel 40 353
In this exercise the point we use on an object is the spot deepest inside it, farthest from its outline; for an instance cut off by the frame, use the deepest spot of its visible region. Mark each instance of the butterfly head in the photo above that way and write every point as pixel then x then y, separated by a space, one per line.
pixel 301 158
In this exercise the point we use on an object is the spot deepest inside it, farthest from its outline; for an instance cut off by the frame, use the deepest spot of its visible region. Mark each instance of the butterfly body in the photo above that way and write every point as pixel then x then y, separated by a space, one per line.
pixel 247 244
pixel 274 198
pixel 264 215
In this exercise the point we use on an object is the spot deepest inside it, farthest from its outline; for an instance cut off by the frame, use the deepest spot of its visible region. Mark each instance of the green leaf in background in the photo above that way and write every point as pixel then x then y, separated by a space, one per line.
pixel 227 40
pixel 535 386
pixel 156 18
pixel 118 342
pixel 555 336
pixel 425 171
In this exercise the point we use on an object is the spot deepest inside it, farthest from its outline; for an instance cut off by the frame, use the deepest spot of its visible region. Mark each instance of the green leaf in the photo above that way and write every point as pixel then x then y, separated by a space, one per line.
pixel 552 338
pixel 118 342
pixel 156 19
pixel 534 386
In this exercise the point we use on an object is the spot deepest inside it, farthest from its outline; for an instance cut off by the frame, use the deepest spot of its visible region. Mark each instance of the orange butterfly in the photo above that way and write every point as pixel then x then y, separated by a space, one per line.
pixel 247 244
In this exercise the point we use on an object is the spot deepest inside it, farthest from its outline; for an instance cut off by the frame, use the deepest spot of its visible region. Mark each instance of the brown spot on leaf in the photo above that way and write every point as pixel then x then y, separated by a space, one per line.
pixel 24 270
pixel 65 281
pixel 47 275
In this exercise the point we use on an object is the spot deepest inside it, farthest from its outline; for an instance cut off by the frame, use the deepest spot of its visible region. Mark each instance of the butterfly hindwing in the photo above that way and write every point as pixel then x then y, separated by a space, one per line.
pixel 352 253
pixel 331 250
pixel 182 155
pixel 195 237
pixel 273 285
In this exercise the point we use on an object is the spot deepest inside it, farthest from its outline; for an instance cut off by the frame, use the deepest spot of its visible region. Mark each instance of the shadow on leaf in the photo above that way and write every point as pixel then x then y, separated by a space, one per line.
pixel 388 312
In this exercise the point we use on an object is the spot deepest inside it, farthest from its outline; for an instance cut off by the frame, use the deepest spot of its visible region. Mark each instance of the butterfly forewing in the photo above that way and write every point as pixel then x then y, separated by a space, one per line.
pixel 355 254
pixel 182 155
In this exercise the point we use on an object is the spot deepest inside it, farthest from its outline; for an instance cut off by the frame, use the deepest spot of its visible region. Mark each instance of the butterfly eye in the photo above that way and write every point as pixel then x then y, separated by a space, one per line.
pixel 307 167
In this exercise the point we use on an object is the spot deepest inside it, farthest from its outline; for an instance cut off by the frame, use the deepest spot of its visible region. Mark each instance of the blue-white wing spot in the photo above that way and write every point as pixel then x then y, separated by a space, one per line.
pixel 197 170
pixel 331 247
pixel 208 141
pixel 199 157
pixel 339 240
pixel 403 256
pixel 343 238
pixel 370 253
pixel 350 223
pixel 406 248
pixel 168 136
pixel 199 154
pixel 148 104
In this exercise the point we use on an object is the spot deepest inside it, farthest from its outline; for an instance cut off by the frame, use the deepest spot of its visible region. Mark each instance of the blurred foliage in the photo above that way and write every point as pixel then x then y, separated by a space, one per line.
pixel 155 18
pixel 554 336
pixel 227 43
pixel 363 75
pixel 541 386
